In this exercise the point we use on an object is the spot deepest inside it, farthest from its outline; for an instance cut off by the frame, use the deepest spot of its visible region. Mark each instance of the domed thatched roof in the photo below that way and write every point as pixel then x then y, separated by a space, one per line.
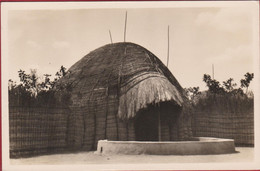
pixel 126 70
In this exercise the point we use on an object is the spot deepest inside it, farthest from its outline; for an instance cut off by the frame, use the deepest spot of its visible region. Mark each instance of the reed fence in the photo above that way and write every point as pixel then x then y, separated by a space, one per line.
pixel 225 125
pixel 34 130
pixel 39 130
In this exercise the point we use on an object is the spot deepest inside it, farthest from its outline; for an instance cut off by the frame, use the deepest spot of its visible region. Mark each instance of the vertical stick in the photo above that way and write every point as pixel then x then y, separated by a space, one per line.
pixel 168 51
pixel 213 71
pixel 125 26
pixel 159 124
pixel 110 37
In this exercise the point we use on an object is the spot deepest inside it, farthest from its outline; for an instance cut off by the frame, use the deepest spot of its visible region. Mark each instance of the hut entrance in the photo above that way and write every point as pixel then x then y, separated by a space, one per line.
pixel 155 122
pixel 146 125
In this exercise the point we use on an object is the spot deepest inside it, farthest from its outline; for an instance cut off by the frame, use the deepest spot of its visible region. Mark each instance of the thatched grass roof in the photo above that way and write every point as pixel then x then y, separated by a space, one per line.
pixel 125 70
pixel 153 88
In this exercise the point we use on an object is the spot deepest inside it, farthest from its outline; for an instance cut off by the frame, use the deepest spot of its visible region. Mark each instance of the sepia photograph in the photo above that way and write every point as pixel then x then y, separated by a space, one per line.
pixel 130 85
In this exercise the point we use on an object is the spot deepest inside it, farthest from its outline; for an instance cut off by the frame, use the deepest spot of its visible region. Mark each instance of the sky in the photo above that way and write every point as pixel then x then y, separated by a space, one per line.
pixel 199 37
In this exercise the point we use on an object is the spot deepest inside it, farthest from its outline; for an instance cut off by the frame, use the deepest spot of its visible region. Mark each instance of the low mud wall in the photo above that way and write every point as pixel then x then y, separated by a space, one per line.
pixel 200 146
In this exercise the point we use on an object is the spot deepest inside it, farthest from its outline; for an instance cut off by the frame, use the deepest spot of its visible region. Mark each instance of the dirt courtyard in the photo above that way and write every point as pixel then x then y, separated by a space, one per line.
pixel 244 154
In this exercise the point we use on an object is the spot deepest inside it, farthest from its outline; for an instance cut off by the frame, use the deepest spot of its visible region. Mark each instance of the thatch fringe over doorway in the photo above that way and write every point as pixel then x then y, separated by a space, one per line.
pixel 111 86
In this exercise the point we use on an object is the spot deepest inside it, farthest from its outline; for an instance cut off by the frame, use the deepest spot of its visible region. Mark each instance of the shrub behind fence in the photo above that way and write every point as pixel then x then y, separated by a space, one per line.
pixel 225 125
pixel 37 130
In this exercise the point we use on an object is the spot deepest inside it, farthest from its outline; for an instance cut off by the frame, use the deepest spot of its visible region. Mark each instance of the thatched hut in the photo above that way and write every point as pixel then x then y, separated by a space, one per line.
pixel 123 92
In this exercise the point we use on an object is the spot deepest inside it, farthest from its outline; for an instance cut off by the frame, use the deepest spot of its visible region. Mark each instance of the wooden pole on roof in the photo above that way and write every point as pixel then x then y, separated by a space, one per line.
pixel 110 37
pixel 168 50
pixel 159 114
pixel 159 124
pixel 125 26
pixel 213 71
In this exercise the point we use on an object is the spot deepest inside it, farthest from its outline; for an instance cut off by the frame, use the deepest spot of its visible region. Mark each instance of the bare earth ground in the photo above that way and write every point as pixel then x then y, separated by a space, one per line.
pixel 244 154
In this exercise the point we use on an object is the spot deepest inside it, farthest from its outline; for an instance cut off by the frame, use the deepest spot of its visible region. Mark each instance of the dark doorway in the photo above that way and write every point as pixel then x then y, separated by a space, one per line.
pixel 147 121
pixel 146 125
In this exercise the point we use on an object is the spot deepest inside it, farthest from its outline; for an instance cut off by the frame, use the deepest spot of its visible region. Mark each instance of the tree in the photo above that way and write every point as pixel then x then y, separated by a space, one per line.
pixel 229 86
pixel 192 92
pixel 32 90
pixel 11 84
pixel 213 85
pixel 29 81
pixel 32 83
pixel 61 73
pixel 47 83
pixel 246 81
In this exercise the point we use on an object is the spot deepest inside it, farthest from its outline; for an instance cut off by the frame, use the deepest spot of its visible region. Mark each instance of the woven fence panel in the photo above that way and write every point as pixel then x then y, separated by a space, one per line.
pixel 35 131
pixel 229 125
